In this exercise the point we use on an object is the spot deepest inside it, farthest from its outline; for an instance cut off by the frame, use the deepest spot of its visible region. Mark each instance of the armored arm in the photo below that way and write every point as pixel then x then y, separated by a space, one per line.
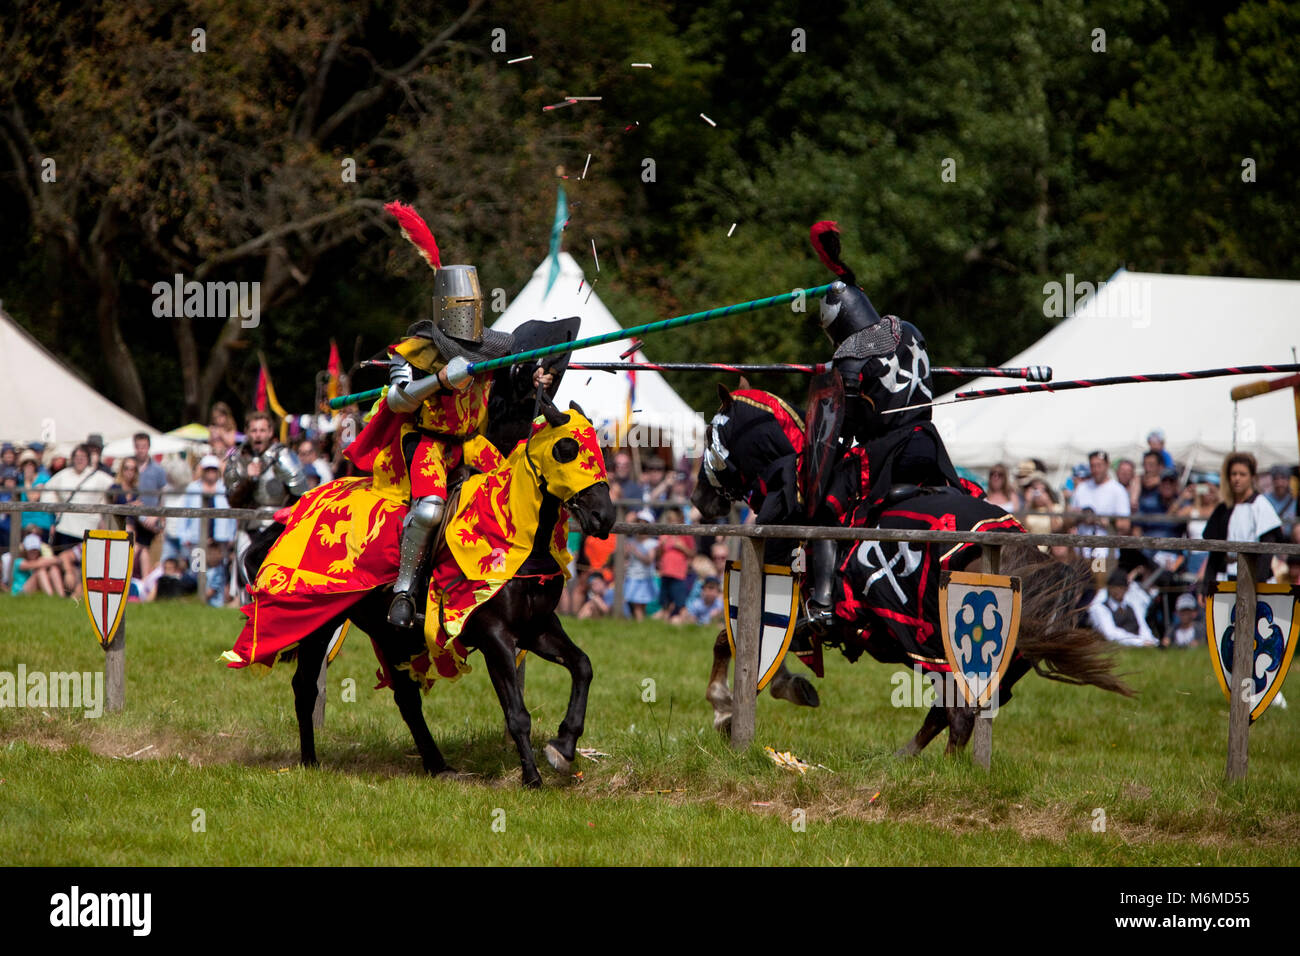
pixel 289 472
pixel 400 375
pixel 239 487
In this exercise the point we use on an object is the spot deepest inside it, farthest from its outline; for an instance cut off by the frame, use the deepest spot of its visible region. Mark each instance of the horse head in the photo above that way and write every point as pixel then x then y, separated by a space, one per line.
pixel 753 434
pixel 569 461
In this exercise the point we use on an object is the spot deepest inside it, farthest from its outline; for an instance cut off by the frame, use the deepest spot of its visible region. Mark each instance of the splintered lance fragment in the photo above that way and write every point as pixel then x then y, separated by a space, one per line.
pixel 731 230
pixel 584 167
pixel 520 59
pixel 644 66
pixel 555 106
pixel 707 120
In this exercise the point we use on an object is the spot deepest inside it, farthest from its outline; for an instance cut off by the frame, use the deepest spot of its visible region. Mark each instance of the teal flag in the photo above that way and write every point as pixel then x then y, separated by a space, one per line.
pixel 557 230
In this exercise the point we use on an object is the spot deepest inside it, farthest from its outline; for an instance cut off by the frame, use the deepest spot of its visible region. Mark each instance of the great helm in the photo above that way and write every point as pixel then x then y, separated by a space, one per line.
pixel 458 303
pixel 845 309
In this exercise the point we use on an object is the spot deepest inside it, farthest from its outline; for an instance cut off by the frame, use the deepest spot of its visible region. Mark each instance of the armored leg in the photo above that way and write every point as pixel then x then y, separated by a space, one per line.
pixel 821 566
pixel 421 522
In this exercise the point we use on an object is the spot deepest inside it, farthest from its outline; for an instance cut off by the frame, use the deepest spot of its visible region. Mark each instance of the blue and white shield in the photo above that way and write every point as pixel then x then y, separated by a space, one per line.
pixel 1276 625
pixel 979 616
pixel 780 609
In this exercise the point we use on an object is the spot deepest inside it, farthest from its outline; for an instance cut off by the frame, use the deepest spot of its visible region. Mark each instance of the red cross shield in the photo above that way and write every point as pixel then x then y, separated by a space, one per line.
pixel 106 561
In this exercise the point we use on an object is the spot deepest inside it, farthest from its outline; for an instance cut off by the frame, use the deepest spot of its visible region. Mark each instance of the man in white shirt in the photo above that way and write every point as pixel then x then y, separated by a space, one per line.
pixel 1118 616
pixel 1102 495
pixel 78 484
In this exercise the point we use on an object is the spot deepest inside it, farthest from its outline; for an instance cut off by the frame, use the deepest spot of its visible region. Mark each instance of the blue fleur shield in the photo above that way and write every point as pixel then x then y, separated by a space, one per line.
pixel 980 616
pixel 1276 626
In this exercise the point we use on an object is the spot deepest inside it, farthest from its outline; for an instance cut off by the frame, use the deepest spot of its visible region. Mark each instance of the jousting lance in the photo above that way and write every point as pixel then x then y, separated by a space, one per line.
pixel 1034 373
pixel 458 369
pixel 1095 382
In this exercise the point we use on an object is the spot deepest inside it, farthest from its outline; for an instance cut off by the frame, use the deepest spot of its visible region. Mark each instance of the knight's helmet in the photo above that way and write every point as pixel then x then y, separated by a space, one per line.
pixel 458 303
pixel 845 311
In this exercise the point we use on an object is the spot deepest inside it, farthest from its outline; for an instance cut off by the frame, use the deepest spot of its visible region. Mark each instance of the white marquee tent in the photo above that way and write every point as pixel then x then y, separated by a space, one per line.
pixel 1136 323
pixel 603 395
pixel 45 400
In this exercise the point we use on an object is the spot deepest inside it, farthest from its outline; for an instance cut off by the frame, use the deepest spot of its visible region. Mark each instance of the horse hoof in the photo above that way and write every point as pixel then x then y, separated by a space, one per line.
pixel 557 759
pixel 803 693
pixel 722 724
pixel 533 783
pixel 446 773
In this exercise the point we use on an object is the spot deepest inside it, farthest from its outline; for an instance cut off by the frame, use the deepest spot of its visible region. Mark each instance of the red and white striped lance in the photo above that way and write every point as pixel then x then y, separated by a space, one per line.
pixel 1034 373
pixel 1071 384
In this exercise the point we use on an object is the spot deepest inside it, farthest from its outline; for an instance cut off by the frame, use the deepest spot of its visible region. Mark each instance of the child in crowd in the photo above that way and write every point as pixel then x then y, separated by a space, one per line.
pixel 38 570
pixel 639 576
pixel 597 600
pixel 705 609
pixel 1188 632
pixel 675 552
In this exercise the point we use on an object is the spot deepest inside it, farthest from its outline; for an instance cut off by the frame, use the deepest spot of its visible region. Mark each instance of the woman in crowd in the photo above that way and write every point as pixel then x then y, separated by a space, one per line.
pixel 221 426
pixel 1144 490
pixel 1041 502
pixel 126 491
pixel 1000 491
pixel 1244 515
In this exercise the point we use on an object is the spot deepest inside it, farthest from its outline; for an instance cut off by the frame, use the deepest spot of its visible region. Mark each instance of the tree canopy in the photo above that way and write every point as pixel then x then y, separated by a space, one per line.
pixel 970 152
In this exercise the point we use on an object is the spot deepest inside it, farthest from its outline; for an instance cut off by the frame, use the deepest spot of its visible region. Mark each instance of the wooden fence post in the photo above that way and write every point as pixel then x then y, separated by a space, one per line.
pixel 1240 685
pixel 744 694
pixel 115 671
pixel 982 735
pixel 620 563
pixel 205 501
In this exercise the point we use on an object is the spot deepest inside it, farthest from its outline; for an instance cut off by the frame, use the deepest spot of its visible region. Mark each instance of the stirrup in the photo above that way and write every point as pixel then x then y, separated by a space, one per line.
pixel 401 613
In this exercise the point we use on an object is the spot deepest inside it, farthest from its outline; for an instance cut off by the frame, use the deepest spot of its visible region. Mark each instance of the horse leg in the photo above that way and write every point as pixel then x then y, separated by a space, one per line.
pixel 961 722
pixel 795 688
pixel 935 721
pixel 552 643
pixel 311 654
pixel 719 694
pixel 406 694
pixel 498 652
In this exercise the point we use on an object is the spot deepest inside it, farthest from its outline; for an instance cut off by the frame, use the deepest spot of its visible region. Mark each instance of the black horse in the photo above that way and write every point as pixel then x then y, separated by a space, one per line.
pixel 519 617
pixel 887 592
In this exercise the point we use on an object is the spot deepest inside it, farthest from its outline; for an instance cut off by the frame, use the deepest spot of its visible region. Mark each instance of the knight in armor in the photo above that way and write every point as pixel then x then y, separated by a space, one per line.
pixel 260 473
pixel 436 403
pixel 883 365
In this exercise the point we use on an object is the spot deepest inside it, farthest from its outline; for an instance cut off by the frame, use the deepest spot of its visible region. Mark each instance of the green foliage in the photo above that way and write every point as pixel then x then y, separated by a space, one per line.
pixel 1066 159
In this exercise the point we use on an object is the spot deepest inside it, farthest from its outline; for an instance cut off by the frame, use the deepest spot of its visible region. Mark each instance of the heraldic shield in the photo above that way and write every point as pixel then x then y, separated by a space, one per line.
pixel 106 561
pixel 780 609
pixel 979 616
pixel 1276 625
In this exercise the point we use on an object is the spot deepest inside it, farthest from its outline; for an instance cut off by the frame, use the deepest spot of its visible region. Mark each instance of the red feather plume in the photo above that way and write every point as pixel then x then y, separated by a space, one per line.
pixel 417 233
pixel 825 238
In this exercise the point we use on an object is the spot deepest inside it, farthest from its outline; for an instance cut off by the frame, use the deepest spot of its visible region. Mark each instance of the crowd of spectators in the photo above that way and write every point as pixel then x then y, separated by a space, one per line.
pixel 1144 597
pixel 1148 597
pixel 170 552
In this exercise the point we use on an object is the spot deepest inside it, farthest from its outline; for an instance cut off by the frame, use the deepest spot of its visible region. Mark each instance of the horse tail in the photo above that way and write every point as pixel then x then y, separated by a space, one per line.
pixel 1049 636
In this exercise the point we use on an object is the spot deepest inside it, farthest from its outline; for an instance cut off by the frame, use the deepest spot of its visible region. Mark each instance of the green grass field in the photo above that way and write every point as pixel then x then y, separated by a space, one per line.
pixel 671 790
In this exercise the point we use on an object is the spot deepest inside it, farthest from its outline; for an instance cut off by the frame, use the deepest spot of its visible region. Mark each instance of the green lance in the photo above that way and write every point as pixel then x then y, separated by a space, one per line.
pixel 488 365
